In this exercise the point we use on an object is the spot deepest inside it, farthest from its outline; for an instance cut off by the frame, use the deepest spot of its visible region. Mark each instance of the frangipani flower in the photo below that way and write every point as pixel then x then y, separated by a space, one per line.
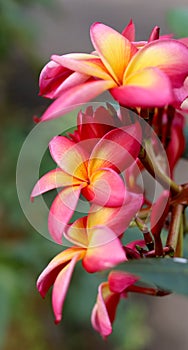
pixel 146 77
pixel 95 243
pixel 94 175
pixel 109 294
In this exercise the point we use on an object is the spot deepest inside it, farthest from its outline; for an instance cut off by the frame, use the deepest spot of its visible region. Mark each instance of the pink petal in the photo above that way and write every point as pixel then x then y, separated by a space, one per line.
pixel 143 89
pixel 51 77
pixel 168 55
pixel 104 251
pixel 104 311
pixel 119 281
pixel 106 188
pixel 74 96
pixel 53 179
pixel 60 288
pixel 154 34
pixel 48 276
pixel 117 219
pixel 124 142
pixel 113 48
pixel 77 233
pixel 72 80
pixel 61 211
pixel 129 31
pixel 69 156
pixel 86 64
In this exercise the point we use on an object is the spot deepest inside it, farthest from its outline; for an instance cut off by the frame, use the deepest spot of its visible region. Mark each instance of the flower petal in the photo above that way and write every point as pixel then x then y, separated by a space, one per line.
pixel 49 274
pixel 104 251
pixel 129 31
pixel 60 288
pixel 117 219
pixel 124 142
pixel 69 156
pixel 170 56
pixel 143 89
pixel 61 211
pixel 76 95
pixel 51 77
pixel 106 188
pixel 104 311
pixel 72 80
pixel 113 48
pixel 77 233
pixel 90 65
pixel 119 281
pixel 53 179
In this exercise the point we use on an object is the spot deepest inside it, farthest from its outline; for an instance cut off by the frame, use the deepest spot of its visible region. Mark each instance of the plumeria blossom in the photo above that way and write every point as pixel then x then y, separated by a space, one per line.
pixel 96 243
pixel 95 175
pixel 109 294
pixel 133 76
pixel 92 124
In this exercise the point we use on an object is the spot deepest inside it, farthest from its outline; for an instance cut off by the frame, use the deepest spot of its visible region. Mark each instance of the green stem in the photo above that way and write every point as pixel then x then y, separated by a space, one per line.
pixel 147 290
pixel 148 159
pixel 175 226
pixel 179 247
pixel 146 233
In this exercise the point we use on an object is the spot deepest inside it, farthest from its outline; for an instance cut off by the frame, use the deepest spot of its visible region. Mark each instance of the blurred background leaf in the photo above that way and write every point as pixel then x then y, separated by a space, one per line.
pixel 177 19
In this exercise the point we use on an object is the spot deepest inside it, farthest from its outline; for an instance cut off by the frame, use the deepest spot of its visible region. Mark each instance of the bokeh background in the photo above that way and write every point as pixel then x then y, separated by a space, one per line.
pixel 30 31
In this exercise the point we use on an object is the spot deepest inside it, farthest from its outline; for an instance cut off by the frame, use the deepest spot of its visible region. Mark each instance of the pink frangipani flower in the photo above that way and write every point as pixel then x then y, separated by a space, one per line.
pixel 95 175
pixel 109 294
pixel 133 76
pixel 95 243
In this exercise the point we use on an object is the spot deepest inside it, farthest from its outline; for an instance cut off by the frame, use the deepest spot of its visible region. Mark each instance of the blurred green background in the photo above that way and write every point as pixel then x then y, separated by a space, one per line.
pixel 30 31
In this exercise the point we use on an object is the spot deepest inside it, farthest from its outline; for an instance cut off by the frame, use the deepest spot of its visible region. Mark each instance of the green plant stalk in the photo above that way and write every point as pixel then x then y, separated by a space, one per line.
pixel 146 233
pixel 179 247
pixel 148 159
pixel 175 229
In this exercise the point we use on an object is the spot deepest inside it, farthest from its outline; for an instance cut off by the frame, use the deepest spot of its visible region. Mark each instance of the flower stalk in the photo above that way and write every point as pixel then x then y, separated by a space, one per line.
pixel 148 159
pixel 175 230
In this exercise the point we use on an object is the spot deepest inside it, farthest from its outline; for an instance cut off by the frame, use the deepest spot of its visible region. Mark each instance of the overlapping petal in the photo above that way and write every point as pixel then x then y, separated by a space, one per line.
pixel 106 188
pixel 61 211
pixel 78 94
pixel 124 142
pixel 104 250
pixel 118 218
pixel 51 77
pixel 113 48
pixel 104 311
pixel 77 232
pixel 119 281
pixel 170 56
pixel 142 88
pixel 61 286
pixel 90 65
pixel 48 276
pixel 69 156
pixel 53 179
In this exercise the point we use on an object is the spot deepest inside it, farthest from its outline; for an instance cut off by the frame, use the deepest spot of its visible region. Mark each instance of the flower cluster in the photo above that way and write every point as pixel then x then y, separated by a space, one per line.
pixel 102 161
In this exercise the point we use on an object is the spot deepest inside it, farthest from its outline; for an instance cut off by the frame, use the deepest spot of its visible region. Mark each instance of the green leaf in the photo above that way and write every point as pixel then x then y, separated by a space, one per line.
pixel 177 19
pixel 167 273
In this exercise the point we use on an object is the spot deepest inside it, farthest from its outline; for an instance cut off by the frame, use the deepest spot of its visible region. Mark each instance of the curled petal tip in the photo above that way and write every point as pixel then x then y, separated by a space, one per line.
pixel 36 119
pixel 57 320
pixel 32 198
